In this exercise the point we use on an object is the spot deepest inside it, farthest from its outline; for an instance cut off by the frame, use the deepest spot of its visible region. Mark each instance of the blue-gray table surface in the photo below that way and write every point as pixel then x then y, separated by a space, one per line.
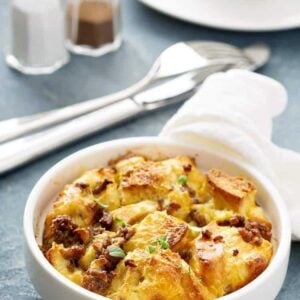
pixel 146 34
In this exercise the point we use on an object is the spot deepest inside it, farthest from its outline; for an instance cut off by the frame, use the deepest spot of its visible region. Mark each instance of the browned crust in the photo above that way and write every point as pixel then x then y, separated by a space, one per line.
pixel 229 187
pixel 145 174
pixel 256 267
pixel 119 158
pixel 176 234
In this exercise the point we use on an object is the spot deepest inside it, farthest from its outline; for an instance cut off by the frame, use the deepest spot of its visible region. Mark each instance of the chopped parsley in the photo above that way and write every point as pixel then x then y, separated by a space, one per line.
pixel 151 249
pixel 116 251
pixel 182 179
pixel 163 242
pixel 121 222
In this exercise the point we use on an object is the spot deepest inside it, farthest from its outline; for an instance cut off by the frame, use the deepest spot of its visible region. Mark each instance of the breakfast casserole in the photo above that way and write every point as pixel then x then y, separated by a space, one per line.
pixel 152 230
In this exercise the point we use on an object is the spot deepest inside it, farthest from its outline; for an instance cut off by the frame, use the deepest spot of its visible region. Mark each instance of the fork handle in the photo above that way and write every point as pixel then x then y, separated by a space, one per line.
pixel 13 128
pixel 22 150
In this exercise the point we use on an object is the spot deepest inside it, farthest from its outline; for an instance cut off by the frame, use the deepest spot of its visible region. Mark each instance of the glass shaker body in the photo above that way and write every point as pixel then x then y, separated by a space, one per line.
pixel 93 26
pixel 37 36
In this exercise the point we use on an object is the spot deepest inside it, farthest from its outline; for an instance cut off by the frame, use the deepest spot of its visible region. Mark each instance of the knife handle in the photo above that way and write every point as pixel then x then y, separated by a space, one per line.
pixel 25 149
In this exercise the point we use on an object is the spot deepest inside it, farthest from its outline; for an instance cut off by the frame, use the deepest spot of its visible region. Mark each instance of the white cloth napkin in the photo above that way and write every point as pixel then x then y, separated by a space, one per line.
pixel 233 111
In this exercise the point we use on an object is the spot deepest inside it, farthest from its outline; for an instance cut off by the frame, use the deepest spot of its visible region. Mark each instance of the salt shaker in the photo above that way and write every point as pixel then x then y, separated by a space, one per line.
pixel 93 26
pixel 37 43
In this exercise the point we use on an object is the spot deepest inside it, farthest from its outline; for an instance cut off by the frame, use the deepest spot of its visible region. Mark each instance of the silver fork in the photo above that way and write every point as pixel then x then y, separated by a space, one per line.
pixel 178 59
pixel 22 150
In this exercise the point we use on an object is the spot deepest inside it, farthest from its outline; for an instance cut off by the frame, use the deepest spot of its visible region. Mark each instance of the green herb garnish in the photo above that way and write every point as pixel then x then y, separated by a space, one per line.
pixel 121 222
pixel 116 251
pixel 151 249
pixel 163 242
pixel 182 179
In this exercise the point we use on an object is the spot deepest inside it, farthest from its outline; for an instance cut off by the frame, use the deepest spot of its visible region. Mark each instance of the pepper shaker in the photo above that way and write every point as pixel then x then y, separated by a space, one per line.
pixel 37 42
pixel 93 26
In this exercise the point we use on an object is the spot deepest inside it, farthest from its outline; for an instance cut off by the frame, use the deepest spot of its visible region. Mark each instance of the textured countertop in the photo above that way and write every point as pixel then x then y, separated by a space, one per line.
pixel 146 34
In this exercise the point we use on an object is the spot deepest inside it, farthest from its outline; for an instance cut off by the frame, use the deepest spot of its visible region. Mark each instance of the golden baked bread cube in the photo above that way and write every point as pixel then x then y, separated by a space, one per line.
pixel 82 200
pixel 134 213
pixel 101 186
pixel 204 213
pixel 175 180
pixel 61 258
pixel 160 275
pixel 159 225
pixel 184 165
pixel 88 257
pixel 236 194
pixel 141 180
pixel 227 258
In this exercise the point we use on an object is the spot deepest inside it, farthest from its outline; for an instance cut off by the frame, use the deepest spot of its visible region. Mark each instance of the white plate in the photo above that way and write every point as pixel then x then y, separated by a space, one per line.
pixel 245 15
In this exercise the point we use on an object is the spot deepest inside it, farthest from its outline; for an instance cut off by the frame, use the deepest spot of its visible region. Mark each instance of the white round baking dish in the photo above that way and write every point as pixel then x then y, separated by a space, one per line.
pixel 50 284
